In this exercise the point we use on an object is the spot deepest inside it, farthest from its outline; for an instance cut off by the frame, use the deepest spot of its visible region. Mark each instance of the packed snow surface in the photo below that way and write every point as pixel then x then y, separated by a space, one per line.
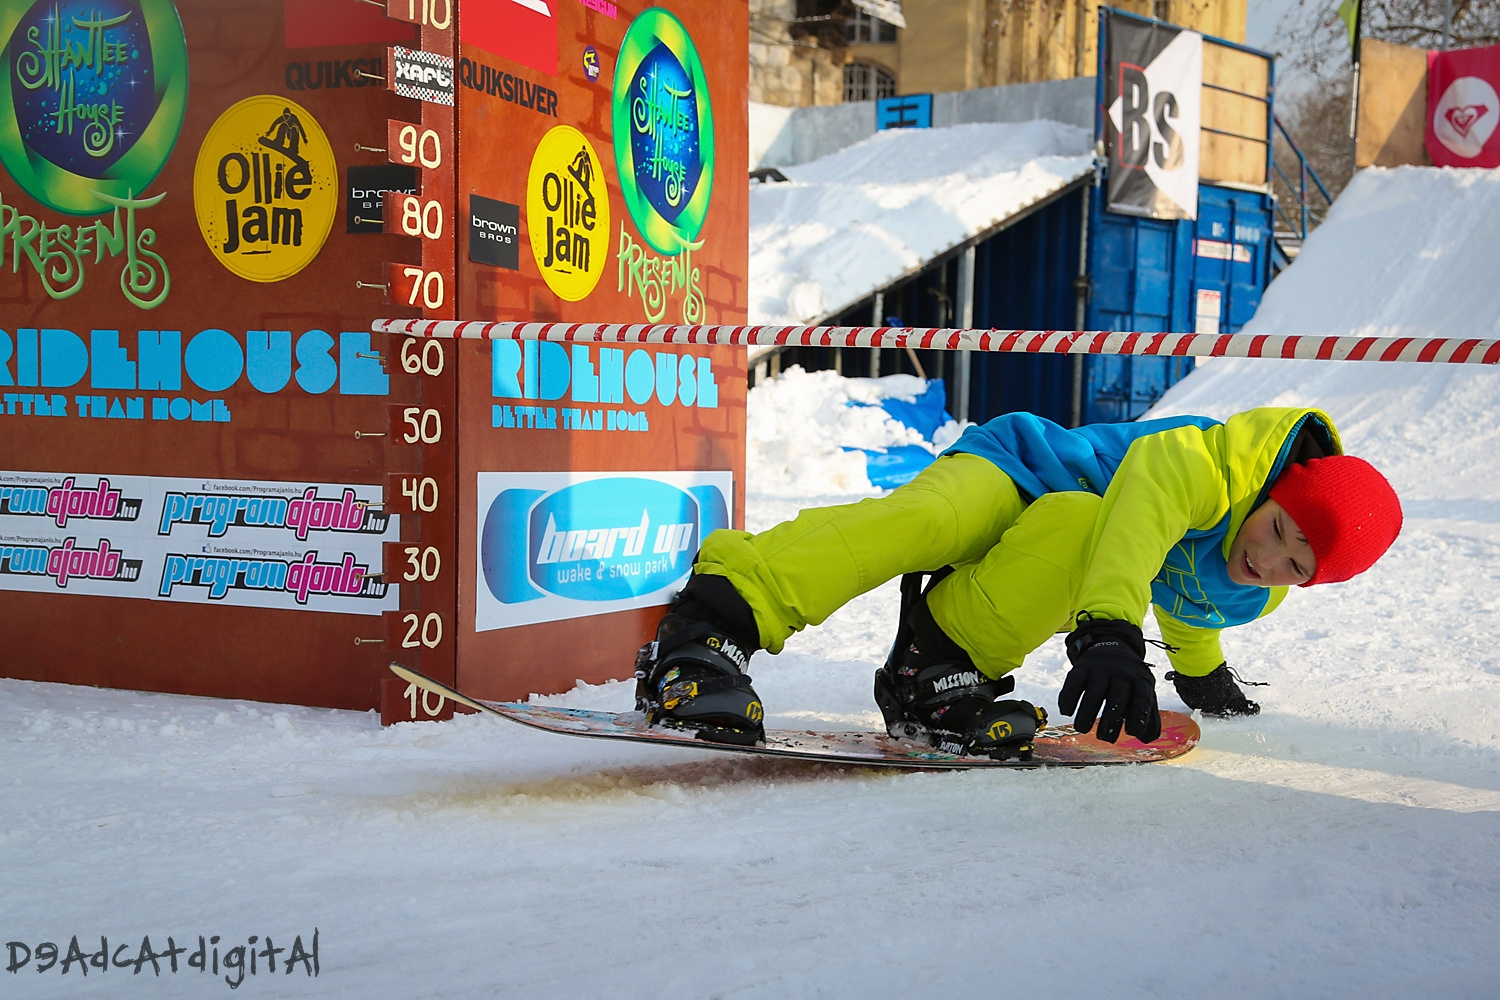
pixel 852 222
pixel 1344 843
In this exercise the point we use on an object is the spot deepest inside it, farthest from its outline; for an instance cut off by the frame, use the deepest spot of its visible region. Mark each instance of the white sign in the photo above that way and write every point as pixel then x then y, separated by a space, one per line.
pixel 295 546
pixel 1207 311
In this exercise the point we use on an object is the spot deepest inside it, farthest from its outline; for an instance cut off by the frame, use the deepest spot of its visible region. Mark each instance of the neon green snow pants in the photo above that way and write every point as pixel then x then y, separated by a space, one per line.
pixel 1018 568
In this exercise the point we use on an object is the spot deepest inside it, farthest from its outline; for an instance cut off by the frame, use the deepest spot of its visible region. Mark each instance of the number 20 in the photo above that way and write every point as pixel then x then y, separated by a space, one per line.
pixel 422 631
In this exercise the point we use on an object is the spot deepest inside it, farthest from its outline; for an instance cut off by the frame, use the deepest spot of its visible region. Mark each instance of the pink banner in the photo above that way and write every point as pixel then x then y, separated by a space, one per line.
pixel 1463 107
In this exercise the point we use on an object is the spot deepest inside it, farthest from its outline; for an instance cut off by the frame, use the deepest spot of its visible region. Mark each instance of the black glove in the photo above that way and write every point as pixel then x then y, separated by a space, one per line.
pixel 1214 693
pixel 1110 669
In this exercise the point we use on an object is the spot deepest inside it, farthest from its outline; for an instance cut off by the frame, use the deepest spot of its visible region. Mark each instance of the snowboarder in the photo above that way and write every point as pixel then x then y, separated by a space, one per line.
pixel 1027 529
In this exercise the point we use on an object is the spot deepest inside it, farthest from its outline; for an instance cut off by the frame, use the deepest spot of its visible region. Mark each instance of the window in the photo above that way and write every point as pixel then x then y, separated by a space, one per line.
pixel 862 27
pixel 863 82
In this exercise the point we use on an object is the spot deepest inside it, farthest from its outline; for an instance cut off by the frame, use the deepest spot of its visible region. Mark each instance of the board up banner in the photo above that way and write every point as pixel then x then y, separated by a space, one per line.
pixel 1153 106
pixel 559 545
pixel 1463 107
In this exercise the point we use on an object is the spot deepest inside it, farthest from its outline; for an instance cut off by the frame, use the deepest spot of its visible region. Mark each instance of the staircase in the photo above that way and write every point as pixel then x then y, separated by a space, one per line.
pixel 1299 214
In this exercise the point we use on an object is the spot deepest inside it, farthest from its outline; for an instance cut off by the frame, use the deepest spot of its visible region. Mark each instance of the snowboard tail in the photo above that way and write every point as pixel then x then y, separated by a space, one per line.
pixel 1055 746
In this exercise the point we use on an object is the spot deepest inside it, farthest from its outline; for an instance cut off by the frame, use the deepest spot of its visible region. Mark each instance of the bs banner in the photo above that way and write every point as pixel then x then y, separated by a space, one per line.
pixel 559 545
pixel 1153 93
pixel 1463 107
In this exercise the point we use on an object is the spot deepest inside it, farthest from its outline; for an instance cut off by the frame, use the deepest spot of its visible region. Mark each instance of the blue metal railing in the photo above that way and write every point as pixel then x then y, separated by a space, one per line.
pixel 1306 213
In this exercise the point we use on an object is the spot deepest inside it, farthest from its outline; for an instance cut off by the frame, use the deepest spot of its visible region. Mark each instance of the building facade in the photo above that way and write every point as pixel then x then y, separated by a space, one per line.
pixel 805 52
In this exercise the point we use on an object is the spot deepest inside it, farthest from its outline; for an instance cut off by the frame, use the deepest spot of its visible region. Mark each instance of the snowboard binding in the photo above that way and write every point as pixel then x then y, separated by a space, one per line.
pixel 930 689
pixel 692 675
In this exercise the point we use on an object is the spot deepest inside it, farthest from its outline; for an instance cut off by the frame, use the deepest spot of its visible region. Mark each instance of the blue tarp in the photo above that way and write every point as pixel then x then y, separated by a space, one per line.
pixel 899 465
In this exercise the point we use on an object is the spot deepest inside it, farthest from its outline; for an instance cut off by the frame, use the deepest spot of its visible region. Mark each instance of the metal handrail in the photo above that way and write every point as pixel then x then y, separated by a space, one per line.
pixel 1304 171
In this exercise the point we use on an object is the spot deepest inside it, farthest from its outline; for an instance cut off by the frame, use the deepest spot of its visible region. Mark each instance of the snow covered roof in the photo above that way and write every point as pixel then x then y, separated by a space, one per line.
pixel 847 225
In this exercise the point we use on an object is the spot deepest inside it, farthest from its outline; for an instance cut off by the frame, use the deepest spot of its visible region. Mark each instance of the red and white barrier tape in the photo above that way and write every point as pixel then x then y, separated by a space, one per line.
pixel 1448 350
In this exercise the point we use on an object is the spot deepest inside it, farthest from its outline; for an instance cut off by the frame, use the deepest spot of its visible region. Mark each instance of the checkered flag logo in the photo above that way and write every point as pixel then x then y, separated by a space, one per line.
pixel 427 76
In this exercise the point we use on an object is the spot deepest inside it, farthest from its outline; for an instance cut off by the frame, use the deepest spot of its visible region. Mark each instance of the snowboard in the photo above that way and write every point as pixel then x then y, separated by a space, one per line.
pixel 1056 746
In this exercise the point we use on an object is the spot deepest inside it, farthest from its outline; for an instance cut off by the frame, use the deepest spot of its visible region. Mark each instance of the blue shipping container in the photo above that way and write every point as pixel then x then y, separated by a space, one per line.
pixel 1162 275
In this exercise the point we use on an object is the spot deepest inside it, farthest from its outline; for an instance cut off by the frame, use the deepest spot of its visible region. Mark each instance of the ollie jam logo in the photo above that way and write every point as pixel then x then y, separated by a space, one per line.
pixel 266 188
pixel 663 131
pixel 567 213
pixel 92 96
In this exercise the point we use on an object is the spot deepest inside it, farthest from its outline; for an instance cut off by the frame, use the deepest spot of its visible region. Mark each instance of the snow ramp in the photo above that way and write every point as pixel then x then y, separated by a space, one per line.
pixel 1405 252
pixel 849 224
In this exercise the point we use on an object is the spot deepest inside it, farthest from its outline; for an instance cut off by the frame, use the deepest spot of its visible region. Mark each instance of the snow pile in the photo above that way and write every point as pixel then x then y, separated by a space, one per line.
pixel 852 222
pixel 808 433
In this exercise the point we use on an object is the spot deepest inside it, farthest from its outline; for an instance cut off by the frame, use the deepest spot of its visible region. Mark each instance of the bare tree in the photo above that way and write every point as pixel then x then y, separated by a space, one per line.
pixel 1315 70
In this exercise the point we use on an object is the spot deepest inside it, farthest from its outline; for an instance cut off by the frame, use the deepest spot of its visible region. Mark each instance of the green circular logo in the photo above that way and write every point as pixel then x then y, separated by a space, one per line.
pixel 92 95
pixel 663 131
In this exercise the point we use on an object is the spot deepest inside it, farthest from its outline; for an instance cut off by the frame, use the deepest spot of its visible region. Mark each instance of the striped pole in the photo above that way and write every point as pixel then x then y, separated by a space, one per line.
pixel 1443 350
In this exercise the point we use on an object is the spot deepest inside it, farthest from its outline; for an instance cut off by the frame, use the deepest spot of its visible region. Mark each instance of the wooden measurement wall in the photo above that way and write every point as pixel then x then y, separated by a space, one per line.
pixel 422 441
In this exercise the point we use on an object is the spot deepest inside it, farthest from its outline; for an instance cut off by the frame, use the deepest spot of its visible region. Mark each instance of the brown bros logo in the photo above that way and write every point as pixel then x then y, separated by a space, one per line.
pixel 266 188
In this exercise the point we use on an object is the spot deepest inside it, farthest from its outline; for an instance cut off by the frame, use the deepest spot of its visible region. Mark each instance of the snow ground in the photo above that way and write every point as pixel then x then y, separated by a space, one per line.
pixel 1343 843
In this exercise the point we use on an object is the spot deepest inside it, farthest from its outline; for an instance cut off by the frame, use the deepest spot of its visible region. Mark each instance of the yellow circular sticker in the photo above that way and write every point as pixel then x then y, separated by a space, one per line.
pixel 567 213
pixel 266 188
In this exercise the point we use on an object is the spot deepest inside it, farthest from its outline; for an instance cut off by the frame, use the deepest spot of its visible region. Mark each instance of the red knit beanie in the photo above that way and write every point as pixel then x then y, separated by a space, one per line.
pixel 1347 510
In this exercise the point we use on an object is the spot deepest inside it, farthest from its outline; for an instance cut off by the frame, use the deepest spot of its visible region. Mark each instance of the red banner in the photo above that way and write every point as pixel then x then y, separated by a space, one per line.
pixel 522 30
pixel 1463 107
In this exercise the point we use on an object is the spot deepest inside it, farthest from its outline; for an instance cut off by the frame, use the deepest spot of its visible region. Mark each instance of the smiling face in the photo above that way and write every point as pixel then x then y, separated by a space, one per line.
pixel 1270 550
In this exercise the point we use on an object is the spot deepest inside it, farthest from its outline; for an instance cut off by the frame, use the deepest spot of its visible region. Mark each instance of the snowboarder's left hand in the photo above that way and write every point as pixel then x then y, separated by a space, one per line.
pixel 1110 671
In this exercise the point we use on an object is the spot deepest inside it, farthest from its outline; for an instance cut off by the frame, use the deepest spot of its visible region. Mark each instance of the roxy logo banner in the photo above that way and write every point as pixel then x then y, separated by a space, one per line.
pixel 1463 107
pixel 558 545
pixel 1153 94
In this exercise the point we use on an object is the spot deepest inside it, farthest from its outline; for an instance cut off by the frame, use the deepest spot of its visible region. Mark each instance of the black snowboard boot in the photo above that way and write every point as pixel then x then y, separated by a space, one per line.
pixel 930 689
pixel 692 675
